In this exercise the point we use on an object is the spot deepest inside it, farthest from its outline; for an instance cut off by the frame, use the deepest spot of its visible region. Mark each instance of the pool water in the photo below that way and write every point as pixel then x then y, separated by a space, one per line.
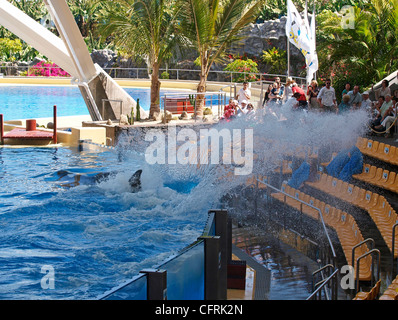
pixel 95 236
pixel 25 102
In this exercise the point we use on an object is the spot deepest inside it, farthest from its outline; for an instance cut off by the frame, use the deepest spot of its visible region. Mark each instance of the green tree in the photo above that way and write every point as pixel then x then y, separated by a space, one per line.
pixel 368 50
pixel 211 26
pixel 145 28
pixel 86 13
pixel 243 70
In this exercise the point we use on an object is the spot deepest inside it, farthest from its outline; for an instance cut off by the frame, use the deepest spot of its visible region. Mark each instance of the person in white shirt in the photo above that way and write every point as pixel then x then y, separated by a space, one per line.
pixel 327 98
pixel 241 108
pixel 383 90
pixel 389 120
pixel 366 102
pixel 244 93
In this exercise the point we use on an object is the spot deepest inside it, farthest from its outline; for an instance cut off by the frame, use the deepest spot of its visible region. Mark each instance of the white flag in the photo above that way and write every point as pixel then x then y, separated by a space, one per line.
pixel 300 34
pixel 313 65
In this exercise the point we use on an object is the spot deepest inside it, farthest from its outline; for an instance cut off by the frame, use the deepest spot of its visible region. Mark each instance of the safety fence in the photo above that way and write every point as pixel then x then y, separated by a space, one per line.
pixel 198 272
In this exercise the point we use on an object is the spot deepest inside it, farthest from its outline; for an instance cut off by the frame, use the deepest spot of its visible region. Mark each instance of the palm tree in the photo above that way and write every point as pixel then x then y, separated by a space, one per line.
pixel 145 28
pixel 86 15
pixel 211 26
pixel 369 50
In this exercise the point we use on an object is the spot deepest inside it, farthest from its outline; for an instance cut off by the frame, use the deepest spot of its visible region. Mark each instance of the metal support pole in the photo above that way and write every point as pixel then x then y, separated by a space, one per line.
pixel 164 109
pixel 156 284
pixel 55 125
pixel 221 220
pixel 395 226
pixel 1 129
pixel 212 267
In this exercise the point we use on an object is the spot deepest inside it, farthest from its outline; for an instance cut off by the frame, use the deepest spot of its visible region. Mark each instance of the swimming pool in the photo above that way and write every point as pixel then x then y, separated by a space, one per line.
pixel 93 236
pixel 35 101
pixel 25 102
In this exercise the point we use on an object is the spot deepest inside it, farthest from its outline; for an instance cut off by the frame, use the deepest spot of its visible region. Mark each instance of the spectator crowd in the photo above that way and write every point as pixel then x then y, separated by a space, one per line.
pixel 278 97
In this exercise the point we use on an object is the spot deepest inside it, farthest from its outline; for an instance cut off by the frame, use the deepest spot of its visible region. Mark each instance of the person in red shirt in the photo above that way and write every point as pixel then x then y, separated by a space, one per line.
pixel 229 110
pixel 301 97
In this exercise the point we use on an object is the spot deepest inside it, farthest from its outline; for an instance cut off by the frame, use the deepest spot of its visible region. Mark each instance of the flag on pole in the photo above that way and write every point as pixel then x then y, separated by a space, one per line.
pixel 302 36
pixel 313 66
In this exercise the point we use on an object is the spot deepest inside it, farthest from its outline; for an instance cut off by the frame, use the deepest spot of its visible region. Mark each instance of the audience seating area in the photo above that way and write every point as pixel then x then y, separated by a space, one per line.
pixel 382 213
pixel 355 194
pixel 378 150
pixel 344 224
pixel 371 295
pixel 391 293
pixel 379 177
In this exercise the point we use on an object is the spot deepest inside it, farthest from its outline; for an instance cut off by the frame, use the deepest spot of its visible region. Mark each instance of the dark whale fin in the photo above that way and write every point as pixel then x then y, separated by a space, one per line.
pixel 135 181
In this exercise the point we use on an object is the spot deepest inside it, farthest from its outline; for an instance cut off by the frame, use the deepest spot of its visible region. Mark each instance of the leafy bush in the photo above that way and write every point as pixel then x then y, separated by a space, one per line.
pixel 276 60
pixel 46 69
pixel 8 48
pixel 165 75
pixel 244 70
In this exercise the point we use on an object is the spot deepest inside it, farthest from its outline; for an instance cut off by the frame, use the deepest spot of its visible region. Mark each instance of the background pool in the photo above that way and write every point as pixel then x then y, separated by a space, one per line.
pixel 94 236
pixel 25 102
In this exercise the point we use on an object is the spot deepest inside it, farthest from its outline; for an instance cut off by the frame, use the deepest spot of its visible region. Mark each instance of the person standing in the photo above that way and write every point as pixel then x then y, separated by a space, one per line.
pixel 244 93
pixel 327 98
pixel 312 93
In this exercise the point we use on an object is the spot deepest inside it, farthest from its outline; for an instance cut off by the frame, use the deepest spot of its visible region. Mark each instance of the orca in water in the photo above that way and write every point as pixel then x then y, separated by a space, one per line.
pixel 69 179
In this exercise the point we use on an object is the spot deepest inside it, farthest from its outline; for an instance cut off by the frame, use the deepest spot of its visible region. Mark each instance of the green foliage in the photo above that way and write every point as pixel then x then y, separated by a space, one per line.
pixel 274 9
pixel 276 59
pixel 244 70
pixel 367 52
pixel 165 75
pixel 212 26
pixel 8 48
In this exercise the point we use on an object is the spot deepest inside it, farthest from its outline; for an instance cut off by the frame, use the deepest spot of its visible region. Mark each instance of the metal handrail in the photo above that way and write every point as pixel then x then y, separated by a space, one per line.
pixel 394 227
pixel 324 283
pixel 110 69
pixel 371 252
pixel 314 286
pixel 311 206
pixel 360 244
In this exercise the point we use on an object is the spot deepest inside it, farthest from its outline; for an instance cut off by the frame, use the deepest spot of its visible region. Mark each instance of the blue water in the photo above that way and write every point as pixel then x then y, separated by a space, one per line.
pixel 93 236
pixel 25 102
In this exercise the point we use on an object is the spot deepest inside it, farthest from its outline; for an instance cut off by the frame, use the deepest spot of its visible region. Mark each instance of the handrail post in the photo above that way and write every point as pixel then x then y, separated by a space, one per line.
pixel 393 248
pixel 212 266
pixel 371 252
pixel 1 129
pixel 157 284
pixel 222 231
pixel 358 245
pixel 55 125
pixel 164 109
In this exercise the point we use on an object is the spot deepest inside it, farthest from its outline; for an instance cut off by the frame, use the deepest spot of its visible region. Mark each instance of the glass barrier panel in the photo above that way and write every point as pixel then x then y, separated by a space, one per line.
pixel 135 289
pixel 186 274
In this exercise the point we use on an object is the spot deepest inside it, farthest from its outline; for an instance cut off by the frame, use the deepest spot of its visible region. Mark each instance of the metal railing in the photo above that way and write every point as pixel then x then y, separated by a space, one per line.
pixel 372 252
pixel 144 73
pixel 326 233
pixel 394 228
pixel 212 100
pixel 330 281
pixel 326 283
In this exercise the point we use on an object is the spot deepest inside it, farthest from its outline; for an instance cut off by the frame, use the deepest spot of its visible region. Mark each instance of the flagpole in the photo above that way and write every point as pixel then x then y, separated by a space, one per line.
pixel 288 57
pixel 314 17
pixel 288 53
